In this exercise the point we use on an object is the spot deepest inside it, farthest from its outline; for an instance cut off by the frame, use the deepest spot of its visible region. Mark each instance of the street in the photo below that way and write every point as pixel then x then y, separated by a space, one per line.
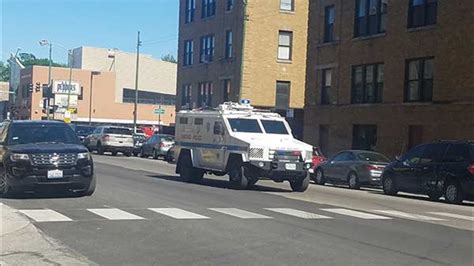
pixel 142 214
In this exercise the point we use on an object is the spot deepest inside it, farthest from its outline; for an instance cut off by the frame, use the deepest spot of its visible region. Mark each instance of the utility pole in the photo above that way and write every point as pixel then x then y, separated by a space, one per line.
pixel 70 80
pixel 50 83
pixel 139 43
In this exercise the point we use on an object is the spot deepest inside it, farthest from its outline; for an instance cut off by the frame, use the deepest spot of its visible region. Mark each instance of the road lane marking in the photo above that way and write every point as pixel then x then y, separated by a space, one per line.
pixel 410 216
pixel 357 214
pixel 178 213
pixel 45 215
pixel 298 213
pixel 452 215
pixel 115 214
pixel 240 213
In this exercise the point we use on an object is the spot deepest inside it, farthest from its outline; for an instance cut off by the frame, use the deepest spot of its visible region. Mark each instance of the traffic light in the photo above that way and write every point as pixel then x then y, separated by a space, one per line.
pixel 47 91
pixel 30 88
pixel 37 87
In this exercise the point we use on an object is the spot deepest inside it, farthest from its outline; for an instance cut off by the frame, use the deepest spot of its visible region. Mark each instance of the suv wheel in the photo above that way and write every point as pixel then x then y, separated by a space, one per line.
pixel 100 149
pixel 353 181
pixel 319 177
pixel 389 186
pixel 300 185
pixel 453 193
pixel 5 189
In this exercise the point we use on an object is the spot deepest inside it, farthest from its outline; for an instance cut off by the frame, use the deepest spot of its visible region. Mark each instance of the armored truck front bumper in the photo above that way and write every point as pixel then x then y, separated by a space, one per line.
pixel 280 171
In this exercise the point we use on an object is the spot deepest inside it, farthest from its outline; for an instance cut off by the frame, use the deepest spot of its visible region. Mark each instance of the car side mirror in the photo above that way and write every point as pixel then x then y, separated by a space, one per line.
pixel 406 163
pixel 397 157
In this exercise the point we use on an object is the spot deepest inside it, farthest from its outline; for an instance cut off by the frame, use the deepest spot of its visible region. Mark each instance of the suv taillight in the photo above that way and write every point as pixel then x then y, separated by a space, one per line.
pixel 106 137
pixel 470 168
pixel 162 144
pixel 373 167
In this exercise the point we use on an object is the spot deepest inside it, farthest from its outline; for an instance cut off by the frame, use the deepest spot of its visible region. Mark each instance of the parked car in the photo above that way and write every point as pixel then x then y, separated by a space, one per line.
pixel 156 146
pixel 138 140
pixel 434 169
pixel 111 139
pixel 37 154
pixel 83 131
pixel 353 167
pixel 317 159
pixel 170 155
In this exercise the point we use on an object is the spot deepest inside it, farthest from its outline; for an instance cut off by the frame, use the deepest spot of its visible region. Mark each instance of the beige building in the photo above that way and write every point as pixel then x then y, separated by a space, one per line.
pixel 230 51
pixel 388 75
pixel 93 97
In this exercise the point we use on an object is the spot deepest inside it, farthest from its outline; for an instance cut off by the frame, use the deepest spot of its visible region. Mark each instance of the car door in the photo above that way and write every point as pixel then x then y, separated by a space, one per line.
pixel 330 169
pixel 343 167
pixel 404 170
pixel 148 146
pixel 427 169
pixel 454 164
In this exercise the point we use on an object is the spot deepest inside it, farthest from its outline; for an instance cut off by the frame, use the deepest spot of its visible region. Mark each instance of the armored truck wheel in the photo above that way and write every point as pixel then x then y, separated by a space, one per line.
pixel 237 177
pixel 300 185
pixel 187 172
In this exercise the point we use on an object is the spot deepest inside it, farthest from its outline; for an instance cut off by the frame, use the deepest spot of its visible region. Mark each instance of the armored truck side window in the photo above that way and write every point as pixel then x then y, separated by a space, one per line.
pixel 244 125
pixel 274 127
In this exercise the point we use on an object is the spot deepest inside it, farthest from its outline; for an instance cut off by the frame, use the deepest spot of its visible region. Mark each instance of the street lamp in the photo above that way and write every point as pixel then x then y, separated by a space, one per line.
pixel 44 43
pixel 93 73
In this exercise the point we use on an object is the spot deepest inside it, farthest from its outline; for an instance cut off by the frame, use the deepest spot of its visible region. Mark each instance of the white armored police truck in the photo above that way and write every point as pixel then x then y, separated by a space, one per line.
pixel 245 143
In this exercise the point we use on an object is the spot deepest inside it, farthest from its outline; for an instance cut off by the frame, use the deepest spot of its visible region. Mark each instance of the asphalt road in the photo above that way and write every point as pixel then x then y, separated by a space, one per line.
pixel 142 214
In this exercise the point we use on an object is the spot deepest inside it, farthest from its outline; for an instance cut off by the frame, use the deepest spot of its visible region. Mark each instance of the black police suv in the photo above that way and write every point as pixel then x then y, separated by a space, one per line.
pixel 36 154
pixel 435 169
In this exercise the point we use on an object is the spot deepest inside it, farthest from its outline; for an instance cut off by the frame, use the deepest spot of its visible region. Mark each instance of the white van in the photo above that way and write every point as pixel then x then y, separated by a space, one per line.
pixel 245 143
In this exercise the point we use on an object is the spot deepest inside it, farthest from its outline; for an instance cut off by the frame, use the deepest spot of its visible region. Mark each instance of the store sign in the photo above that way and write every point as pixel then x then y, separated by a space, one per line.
pixel 63 87
pixel 61 100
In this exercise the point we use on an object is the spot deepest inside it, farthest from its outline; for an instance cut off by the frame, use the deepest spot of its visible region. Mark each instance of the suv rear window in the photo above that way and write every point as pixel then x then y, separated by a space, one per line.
pixel 457 153
pixel 118 131
pixel 41 133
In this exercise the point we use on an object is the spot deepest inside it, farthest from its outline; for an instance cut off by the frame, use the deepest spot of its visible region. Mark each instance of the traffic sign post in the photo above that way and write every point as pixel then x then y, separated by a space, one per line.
pixel 159 112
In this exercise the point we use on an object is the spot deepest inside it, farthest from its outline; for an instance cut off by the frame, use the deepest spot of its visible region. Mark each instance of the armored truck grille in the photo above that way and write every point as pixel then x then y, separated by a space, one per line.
pixel 256 153
pixel 285 156
pixel 54 159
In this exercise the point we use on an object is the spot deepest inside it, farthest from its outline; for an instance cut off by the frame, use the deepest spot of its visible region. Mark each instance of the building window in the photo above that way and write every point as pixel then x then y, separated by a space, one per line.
pixel 81 95
pixel 422 13
pixel 190 10
pixel 230 5
pixel 285 40
pixel 229 40
pixel 371 17
pixel 287 5
pixel 329 17
pixel 326 86
pixel 208 8
pixel 207 49
pixel 364 137
pixel 148 97
pixel 227 90
pixel 282 100
pixel 367 83
pixel 205 94
pixel 186 94
pixel 188 53
pixel 419 80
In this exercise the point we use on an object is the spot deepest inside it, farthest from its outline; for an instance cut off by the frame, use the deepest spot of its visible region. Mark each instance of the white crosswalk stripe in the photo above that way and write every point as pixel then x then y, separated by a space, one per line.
pixel 452 215
pixel 240 213
pixel 298 213
pixel 115 214
pixel 357 214
pixel 178 213
pixel 406 215
pixel 45 215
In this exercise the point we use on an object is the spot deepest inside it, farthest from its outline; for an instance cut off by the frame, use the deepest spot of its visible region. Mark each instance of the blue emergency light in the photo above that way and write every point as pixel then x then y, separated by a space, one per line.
pixel 245 101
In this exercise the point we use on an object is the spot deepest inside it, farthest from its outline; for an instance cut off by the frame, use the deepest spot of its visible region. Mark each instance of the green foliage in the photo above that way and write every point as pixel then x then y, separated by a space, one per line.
pixel 169 58
pixel 28 59
pixel 4 72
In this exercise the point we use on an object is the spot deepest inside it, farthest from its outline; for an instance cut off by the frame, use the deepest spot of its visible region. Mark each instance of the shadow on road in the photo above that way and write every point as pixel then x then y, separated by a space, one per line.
pixel 44 194
pixel 220 184
pixel 419 197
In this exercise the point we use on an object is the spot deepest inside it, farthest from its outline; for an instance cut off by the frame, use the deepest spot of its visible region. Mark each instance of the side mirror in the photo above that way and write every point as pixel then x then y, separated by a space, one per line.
pixel 397 157
pixel 405 163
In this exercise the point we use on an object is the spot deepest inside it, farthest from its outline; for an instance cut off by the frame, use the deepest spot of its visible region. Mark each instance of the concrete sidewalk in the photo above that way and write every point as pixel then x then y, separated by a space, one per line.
pixel 21 243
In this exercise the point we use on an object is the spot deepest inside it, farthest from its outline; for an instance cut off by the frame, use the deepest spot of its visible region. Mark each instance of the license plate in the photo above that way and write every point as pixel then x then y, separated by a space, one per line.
pixel 55 174
pixel 290 166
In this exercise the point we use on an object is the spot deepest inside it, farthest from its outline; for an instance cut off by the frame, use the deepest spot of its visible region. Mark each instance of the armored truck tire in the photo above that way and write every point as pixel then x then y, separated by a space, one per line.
pixel 237 177
pixel 300 185
pixel 187 172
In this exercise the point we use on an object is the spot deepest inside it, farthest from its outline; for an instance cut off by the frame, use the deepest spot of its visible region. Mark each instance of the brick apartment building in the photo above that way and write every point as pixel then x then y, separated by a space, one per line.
pixel 386 75
pixel 231 50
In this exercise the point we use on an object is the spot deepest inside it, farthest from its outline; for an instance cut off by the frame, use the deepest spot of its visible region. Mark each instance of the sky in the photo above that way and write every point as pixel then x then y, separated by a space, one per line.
pixel 97 23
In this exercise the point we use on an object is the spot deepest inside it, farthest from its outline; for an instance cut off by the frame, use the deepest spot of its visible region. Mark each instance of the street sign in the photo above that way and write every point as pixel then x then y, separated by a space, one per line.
pixel 159 111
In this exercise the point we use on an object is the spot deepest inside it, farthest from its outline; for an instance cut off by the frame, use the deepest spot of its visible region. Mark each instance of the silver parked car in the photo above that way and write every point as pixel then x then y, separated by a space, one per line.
pixel 156 146
pixel 353 167
pixel 110 139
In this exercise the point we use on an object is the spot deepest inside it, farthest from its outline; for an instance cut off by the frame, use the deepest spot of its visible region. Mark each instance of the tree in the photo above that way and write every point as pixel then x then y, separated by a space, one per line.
pixel 169 58
pixel 28 59
pixel 4 72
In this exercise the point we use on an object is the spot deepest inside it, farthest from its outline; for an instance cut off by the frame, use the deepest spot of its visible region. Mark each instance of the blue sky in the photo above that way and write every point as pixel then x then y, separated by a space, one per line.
pixel 100 23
